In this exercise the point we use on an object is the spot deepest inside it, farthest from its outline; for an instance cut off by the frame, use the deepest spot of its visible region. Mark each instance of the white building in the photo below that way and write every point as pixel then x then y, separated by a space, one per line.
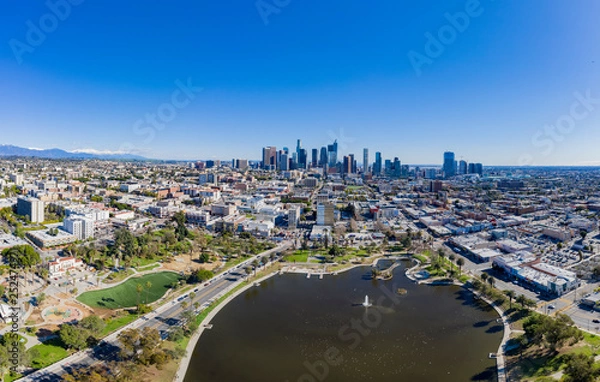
pixel 294 216
pixel 80 227
pixel 61 265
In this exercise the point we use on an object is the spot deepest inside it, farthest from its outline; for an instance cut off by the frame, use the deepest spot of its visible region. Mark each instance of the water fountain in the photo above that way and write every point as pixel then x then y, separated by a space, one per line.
pixel 366 304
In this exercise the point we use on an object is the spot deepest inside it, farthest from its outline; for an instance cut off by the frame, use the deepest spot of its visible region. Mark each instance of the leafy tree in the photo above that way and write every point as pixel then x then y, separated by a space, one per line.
pixel 201 275
pixel 73 337
pixel 580 368
pixel 93 324
pixel 180 230
pixel 176 334
pixel 204 258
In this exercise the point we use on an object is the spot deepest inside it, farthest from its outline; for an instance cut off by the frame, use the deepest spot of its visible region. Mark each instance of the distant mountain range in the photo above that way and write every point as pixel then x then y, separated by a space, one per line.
pixel 10 150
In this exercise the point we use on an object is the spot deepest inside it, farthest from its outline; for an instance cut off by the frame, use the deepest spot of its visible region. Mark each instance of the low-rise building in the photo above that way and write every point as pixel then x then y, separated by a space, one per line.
pixel 60 265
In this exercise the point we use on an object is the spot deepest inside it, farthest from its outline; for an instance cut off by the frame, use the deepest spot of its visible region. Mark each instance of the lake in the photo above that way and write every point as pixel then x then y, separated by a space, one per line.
pixel 294 329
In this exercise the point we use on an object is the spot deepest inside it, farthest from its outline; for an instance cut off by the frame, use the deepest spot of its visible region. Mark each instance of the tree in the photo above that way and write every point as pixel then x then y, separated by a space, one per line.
pixel 148 287
pixel 580 368
pixel 510 294
pixel 203 275
pixel 491 280
pixel 521 299
pixel 583 234
pixel 460 262
pixel 176 334
pixel 73 337
pixel 139 289
pixel 180 230
pixel 484 277
pixel 204 258
pixel 93 324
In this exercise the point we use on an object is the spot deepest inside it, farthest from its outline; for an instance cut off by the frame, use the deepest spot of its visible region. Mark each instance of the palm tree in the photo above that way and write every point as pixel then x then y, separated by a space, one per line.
pixel 148 286
pixel 139 288
pixel 491 280
pixel 484 277
pixel 452 258
pixel 521 300
pixel 460 262
pixel 510 294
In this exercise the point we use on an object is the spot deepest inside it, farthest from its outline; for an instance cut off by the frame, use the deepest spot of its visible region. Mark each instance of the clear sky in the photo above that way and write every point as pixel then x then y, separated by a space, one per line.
pixel 371 74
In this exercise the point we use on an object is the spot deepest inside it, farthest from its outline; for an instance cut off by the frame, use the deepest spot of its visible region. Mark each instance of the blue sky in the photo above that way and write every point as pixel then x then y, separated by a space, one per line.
pixel 493 92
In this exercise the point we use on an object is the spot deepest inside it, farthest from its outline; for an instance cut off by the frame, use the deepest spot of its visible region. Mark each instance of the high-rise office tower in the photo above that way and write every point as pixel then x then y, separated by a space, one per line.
pixel 449 166
pixel 366 161
pixel 388 167
pixel 352 164
pixel 269 160
pixel 332 152
pixel 302 159
pixel 323 157
pixel 315 158
pixel 346 165
pixel 284 163
pixel 377 165
pixel 462 167
pixel 397 168
pixel 298 147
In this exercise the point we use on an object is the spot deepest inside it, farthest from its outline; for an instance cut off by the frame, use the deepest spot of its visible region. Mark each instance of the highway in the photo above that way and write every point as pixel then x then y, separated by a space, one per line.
pixel 163 318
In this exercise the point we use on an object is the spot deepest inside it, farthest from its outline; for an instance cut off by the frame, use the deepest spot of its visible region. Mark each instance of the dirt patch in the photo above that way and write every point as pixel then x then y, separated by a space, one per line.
pixel 184 263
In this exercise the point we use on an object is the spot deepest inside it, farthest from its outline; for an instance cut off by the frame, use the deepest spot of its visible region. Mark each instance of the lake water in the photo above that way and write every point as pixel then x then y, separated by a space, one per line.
pixel 290 329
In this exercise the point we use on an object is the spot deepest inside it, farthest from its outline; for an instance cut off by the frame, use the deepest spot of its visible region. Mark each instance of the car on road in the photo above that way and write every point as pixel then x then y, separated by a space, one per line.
pixel 551 306
pixel 596 321
pixel 206 284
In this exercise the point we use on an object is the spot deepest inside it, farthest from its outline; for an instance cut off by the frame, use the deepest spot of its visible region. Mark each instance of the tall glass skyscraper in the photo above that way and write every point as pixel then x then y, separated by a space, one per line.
pixel 449 165
pixel 377 165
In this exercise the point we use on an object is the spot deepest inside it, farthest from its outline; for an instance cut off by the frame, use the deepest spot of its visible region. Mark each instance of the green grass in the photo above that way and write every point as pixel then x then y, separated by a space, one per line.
pixel 118 276
pixel 125 295
pixel 117 323
pixel 143 262
pixel 148 267
pixel 298 257
pixel 421 258
pixel 49 353
pixel 9 377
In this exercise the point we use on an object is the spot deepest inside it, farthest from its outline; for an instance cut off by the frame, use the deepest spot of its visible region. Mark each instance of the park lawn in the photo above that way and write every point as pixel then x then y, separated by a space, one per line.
pixel 116 323
pixel 9 377
pixel 115 277
pixel 49 353
pixel 125 295
pixel 298 257
pixel 142 262
pixel 421 258
pixel 147 267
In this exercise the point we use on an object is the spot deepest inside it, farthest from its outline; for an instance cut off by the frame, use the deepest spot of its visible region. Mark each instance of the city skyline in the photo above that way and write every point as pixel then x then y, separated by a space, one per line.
pixel 494 83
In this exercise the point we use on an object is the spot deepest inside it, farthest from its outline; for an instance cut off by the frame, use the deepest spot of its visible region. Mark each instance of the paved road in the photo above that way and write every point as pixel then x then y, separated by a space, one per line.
pixel 164 318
